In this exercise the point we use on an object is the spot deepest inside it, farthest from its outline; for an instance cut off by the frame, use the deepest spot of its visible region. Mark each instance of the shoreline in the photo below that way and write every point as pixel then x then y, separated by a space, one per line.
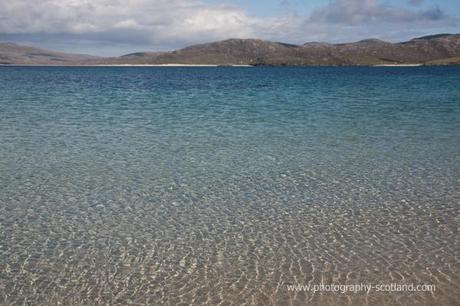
pixel 127 65
pixel 224 65
pixel 398 65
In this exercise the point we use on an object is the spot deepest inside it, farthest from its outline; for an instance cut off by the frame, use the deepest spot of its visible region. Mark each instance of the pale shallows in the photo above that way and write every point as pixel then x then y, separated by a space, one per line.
pixel 207 185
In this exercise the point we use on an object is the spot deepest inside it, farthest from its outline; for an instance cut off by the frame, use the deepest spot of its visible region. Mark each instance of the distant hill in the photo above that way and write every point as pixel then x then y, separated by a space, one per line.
pixel 17 54
pixel 431 50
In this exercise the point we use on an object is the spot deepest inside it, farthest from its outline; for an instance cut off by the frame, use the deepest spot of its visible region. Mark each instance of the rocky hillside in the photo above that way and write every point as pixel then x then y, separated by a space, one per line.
pixel 17 54
pixel 437 49
pixel 258 52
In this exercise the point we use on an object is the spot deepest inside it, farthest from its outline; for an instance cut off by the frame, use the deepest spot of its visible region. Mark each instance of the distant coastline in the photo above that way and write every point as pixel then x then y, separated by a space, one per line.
pixel 442 49
pixel 399 65
pixel 167 65
pixel 223 65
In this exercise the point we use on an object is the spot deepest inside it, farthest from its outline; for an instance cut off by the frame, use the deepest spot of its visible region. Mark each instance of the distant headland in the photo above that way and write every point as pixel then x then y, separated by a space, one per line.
pixel 441 49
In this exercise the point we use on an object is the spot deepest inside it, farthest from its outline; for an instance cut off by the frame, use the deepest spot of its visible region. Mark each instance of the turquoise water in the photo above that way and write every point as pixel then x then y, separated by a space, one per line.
pixel 224 185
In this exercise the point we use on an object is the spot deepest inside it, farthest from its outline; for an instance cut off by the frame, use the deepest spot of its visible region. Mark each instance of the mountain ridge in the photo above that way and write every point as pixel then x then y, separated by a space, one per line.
pixel 439 49
pixel 12 53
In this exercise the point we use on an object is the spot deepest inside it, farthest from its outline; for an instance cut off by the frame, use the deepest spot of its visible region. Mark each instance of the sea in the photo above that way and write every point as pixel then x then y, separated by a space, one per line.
pixel 229 186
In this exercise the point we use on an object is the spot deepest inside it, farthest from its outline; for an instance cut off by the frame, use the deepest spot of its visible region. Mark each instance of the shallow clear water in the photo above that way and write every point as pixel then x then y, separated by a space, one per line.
pixel 224 185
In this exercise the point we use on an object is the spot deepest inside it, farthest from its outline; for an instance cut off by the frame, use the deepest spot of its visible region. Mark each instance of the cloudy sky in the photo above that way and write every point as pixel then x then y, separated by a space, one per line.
pixel 115 27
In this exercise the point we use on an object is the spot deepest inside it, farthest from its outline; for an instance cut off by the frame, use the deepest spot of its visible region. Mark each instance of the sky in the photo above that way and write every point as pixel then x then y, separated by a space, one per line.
pixel 116 27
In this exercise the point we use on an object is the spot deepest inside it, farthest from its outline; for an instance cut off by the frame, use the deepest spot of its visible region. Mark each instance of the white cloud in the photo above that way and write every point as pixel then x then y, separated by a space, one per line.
pixel 127 24
pixel 174 23
pixel 371 11
pixel 181 19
